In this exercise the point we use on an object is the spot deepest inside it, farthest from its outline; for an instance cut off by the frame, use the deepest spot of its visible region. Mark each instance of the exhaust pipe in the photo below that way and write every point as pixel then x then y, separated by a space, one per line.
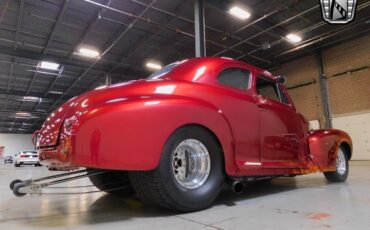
pixel 238 187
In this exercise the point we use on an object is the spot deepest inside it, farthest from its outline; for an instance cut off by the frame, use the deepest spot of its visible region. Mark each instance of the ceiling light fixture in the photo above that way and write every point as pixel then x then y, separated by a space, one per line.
pixel 154 66
pixel 48 65
pixel 240 13
pixel 88 52
pixel 293 38
pixel 55 92
pixel 41 110
pixel 22 114
pixel 31 99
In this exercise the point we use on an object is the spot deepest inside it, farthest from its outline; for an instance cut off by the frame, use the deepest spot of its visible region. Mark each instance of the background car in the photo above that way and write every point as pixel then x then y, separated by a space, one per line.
pixel 27 157
pixel 8 160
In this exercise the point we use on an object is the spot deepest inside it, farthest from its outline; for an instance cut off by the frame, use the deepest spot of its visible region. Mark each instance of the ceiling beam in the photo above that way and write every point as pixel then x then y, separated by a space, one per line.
pixel 59 18
pixel 4 11
pixel 268 29
pixel 90 27
pixel 113 41
pixel 10 76
pixel 21 93
pixel 19 22
pixel 37 57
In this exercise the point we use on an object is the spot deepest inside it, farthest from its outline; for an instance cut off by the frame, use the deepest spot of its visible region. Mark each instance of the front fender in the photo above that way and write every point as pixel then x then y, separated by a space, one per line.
pixel 324 145
pixel 130 134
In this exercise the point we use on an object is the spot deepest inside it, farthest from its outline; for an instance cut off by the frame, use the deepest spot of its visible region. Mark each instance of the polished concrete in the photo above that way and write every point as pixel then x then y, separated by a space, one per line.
pixel 304 202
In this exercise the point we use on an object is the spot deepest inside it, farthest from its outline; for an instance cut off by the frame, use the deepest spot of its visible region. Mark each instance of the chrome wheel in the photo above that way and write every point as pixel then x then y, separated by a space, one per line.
pixel 191 164
pixel 341 162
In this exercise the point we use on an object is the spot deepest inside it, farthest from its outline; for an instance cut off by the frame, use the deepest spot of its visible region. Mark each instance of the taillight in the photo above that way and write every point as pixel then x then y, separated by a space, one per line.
pixel 23 156
pixel 68 125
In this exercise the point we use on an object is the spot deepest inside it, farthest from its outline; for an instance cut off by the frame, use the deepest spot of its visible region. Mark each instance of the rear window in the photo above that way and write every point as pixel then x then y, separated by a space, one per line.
pixel 165 70
pixel 234 77
pixel 29 152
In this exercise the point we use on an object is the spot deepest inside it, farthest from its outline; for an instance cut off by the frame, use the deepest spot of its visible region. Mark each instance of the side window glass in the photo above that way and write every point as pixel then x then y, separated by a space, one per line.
pixel 234 77
pixel 267 88
pixel 283 96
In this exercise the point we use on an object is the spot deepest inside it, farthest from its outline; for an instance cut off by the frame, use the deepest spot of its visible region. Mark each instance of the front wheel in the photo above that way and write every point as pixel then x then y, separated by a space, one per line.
pixel 342 169
pixel 190 173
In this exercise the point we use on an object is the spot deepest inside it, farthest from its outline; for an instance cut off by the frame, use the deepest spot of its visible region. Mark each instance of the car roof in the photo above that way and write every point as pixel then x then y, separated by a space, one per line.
pixel 186 69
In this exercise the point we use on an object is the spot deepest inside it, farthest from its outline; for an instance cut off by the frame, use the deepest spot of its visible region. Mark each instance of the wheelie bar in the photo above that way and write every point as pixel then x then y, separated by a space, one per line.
pixel 31 186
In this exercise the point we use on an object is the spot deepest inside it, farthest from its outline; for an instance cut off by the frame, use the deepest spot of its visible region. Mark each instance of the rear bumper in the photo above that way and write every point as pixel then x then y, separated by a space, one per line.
pixel 28 161
pixel 53 157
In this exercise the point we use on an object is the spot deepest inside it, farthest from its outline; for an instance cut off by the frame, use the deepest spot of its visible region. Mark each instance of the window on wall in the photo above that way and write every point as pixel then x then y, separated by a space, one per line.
pixel 235 77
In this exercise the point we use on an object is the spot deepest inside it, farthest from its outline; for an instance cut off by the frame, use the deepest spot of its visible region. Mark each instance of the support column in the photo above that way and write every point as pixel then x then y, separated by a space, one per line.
pixel 108 79
pixel 324 92
pixel 200 45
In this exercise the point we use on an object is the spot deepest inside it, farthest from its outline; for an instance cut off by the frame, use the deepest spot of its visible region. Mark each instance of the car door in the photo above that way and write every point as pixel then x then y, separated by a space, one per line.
pixel 281 128
pixel 238 107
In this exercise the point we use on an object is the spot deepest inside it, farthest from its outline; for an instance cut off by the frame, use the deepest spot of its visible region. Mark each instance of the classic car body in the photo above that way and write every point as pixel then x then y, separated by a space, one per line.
pixel 126 126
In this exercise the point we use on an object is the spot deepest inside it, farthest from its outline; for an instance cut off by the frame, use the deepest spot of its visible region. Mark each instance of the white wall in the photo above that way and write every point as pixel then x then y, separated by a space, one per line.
pixel 16 142
pixel 358 127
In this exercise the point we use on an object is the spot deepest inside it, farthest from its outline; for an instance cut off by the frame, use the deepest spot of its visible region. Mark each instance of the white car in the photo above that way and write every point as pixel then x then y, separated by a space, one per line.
pixel 27 157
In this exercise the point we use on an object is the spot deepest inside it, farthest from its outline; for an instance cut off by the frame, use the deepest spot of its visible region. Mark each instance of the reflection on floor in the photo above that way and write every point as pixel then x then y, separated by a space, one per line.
pixel 304 202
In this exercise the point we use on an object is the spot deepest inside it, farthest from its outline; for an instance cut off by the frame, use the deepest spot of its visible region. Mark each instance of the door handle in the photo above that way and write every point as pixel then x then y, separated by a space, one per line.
pixel 261 102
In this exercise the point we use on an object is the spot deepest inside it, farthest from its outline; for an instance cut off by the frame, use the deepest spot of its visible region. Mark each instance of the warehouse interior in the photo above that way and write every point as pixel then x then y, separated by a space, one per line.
pixel 54 50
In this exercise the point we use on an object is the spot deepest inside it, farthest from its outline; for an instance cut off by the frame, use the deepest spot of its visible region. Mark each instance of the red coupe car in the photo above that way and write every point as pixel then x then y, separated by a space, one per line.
pixel 179 135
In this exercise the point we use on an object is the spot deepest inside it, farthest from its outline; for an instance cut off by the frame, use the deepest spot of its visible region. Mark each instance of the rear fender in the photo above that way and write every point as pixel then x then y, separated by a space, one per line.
pixel 130 134
pixel 324 145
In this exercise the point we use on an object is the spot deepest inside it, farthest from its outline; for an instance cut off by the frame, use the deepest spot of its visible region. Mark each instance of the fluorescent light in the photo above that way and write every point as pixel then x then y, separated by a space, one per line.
pixel 152 65
pixel 32 99
pixel 55 92
pixel 48 65
pixel 22 114
pixel 293 38
pixel 101 87
pixel 240 13
pixel 88 52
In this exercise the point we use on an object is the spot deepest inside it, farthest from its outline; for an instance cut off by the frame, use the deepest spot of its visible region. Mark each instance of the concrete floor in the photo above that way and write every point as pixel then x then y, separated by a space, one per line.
pixel 304 202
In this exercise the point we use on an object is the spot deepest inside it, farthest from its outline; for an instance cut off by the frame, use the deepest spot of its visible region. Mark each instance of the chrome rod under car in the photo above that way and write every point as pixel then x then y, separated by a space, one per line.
pixel 30 186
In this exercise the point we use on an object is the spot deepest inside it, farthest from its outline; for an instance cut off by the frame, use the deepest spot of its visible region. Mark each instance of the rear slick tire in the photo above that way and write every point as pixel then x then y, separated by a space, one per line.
pixel 342 169
pixel 190 174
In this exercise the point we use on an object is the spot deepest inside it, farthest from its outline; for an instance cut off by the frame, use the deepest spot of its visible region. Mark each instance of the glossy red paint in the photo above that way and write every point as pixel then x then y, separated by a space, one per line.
pixel 125 126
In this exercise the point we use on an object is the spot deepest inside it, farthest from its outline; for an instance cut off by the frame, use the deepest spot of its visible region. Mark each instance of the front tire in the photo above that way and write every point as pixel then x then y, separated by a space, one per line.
pixel 342 169
pixel 190 174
